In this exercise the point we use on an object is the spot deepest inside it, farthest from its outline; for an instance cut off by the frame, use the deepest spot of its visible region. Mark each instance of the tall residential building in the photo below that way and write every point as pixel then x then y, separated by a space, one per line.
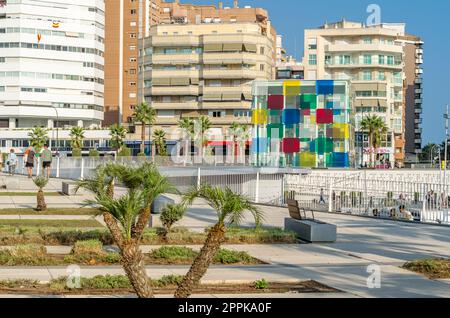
pixel 413 57
pixel 372 58
pixel 127 21
pixel 51 65
pixel 287 65
pixel 204 62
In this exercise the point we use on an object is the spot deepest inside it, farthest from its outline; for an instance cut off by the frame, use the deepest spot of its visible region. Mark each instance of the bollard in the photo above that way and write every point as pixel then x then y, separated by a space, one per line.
pixel 82 169
pixel 57 167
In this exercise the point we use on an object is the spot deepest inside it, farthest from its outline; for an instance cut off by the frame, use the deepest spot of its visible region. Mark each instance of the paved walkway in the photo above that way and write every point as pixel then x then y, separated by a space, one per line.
pixel 342 265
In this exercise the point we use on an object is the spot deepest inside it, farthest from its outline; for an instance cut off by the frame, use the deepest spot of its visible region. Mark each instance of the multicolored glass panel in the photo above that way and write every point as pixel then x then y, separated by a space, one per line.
pixel 301 124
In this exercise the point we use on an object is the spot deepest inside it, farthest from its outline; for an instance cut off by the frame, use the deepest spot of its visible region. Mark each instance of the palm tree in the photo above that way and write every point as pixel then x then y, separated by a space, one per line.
pixel 118 134
pixel 159 137
pixel 235 129
pixel 38 138
pixel 230 208
pixel 187 125
pixel 77 136
pixel 377 129
pixel 40 182
pixel 128 216
pixel 145 115
pixel 240 133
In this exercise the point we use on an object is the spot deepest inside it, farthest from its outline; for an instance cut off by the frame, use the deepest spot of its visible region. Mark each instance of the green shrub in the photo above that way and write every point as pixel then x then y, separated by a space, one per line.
pixel 174 253
pixel 94 153
pixel 171 214
pixel 94 247
pixel 168 280
pixel 72 236
pixel 261 284
pixel 225 256
pixel 25 255
pixel 76 152
pixel 125 152
pixel 141 154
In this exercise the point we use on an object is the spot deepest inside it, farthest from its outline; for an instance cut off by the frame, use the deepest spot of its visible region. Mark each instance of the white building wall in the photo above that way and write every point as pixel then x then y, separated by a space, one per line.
pixel 81 24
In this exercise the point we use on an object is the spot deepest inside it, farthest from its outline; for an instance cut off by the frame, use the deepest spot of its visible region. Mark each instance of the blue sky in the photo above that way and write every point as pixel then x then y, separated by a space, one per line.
pixel 427 19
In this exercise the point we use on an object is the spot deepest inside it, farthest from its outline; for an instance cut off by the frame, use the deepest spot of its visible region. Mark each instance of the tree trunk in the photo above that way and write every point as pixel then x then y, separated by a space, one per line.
pixel 133 264
pixel 41 205
pixel 143 138
pixel 142 223
pixel 198 269
pixel 110 189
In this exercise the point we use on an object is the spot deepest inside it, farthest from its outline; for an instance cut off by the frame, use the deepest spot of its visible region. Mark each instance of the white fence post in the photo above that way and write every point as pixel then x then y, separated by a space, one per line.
pixel 330 198
pixel 424 205
pixel 199 178
pixel 57 167
pixel 257 188
pixel 82 169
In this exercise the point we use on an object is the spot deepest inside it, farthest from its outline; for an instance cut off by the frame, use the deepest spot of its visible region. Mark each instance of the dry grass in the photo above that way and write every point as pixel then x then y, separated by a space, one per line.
pixel 434 268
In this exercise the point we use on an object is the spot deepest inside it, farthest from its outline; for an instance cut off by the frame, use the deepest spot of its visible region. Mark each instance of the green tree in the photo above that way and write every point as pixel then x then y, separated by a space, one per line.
pixel 118 134
pixel 77 137
pixel 429 152
pixel 376 129
pixel 159 137
pixel 240 134
pixel 171 214
pixel 38 138
pixel 145 115
pixel 128 216
pixel 187 125
pixel 40 182
pixel 230 208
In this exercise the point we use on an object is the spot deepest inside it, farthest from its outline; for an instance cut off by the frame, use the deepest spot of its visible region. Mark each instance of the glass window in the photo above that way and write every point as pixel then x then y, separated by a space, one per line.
pixel 381 59
pixel 367 40
pixel 367 75
pixel 367 59
pixel 381 76
pixel 390 60
pixel 312 59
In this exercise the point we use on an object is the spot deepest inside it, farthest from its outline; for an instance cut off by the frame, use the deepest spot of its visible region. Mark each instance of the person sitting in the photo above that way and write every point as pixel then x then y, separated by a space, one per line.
pixel 405 214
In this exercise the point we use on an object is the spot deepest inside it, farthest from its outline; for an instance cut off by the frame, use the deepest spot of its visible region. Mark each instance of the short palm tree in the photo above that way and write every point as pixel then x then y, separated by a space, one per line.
pixel 230 208
pixel 77 138
pixel 118 134
pixel 38 138
pixel 128 216
pixel 171 214
pixel 187 126
pixel 376 129
pixel 159 137
pixel 145 115
pixel 40 182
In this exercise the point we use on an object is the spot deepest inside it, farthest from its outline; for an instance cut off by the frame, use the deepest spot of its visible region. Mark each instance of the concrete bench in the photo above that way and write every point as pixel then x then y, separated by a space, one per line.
pixel 69 188
pixel 309 230
pixel 312 231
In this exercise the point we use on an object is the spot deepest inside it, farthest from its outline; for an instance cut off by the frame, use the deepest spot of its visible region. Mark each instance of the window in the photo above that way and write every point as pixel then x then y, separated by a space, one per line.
pixel 381 59
pixel 312 60
pixel 344 59
pixel 367 41
pixel 312 44
pixel 132 35
pixel 133 23
pixel 132 47
pixel 261 67
pixel 261 50
pixel 217 114
pixel 132 71
pixel 2 88
pixel 133 11
pixel 132 83
pixel 241 113
pixel 133 59
pixel 390 60
pixel 328 60
pixel 367 76
pixel 367 59
pixel 2 60
pixel 132 95
pixel 381 76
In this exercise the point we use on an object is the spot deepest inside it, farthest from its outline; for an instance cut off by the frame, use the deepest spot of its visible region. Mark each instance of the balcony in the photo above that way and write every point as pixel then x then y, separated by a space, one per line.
pixel 418 110
pixel 419 71
pixel 417 141
pixel 418 91
pixel 173 59
pixel 227 89
pixel 419 61
pixel 172 73
pixel 418 80
pixel 175 41
pixel 418 101
pixel 233 74
pixel 175 105
pixel 191 90
pixel 418 130
pixel 234 58
pixel 418 121
pixel 419 51
pixel 357 64
pixel 364 48
pixel 227 105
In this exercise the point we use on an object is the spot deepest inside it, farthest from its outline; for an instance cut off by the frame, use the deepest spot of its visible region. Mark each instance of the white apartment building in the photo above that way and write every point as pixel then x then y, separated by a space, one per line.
pixel 51 67
pixel 372 58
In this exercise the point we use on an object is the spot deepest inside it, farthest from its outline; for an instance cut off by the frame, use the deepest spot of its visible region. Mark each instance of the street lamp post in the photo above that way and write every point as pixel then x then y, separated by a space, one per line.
pixel 446 116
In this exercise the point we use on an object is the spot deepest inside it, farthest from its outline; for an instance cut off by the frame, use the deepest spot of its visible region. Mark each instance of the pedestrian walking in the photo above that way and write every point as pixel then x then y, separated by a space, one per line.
pixel 29 158
pixel 322 199
pixel 11 161
pixel 46 156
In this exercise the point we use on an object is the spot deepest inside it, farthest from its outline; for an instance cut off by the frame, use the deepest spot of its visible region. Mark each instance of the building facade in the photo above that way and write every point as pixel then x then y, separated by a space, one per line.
pixel 205 69
pixel 302 124
pixel 51 66
pixel 372 58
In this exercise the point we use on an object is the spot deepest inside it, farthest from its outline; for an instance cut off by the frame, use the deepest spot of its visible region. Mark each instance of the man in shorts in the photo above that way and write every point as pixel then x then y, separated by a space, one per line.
pixel 30 157
pixel 46 156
